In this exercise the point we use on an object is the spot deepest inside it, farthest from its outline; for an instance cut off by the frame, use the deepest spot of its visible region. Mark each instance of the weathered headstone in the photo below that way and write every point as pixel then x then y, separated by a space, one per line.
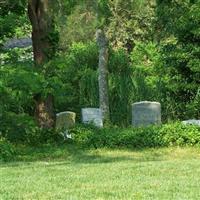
pixel 92 115
pixel 65 121
pixel 145 113
pixel 192 122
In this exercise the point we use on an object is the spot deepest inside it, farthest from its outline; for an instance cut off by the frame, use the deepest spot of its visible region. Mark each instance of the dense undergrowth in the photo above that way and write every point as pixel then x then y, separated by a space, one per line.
pixel 88 136
pixel 138 137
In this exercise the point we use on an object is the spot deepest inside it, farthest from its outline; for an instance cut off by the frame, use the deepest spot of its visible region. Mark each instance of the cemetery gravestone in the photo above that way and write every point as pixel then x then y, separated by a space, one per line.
pixel 92 115
pixel 65 121
pixel 145 113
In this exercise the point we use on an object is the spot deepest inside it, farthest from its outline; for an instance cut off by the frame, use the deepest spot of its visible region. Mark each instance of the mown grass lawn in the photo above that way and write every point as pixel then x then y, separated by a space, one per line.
pixel 67 172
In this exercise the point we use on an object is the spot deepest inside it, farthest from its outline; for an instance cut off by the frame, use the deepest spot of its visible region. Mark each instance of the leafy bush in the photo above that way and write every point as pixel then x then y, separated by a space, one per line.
pixel 179 134
pixel 138 76
pixel 78 72
pixel 18 127
pixel 138 137
pixel 180 51
pixel 84 135
pixel 126 137
pixel 22 128
pixel 7 150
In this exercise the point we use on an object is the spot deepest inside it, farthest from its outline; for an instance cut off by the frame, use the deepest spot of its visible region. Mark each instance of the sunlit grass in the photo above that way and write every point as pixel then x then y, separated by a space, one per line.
pixel 67 172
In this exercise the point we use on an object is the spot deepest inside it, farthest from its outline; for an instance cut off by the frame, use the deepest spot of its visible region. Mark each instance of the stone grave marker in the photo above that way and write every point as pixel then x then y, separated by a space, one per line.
pixel 65 121
pixel 145 113
pixel 92 115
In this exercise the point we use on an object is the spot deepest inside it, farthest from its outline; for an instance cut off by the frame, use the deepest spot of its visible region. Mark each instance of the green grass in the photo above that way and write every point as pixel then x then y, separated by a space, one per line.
pixel 67 172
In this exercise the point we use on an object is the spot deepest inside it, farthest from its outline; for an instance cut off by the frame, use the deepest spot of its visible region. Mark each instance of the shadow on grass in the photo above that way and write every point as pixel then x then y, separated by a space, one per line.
pixel 72 154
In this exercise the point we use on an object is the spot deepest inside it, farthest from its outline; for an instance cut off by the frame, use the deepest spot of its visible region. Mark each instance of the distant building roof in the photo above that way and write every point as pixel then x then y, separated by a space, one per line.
pixel 18 42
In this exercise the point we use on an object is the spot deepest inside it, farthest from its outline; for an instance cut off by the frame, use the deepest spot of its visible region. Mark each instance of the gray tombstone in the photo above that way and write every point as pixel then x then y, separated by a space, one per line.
pixel 65 121
pixel 92 115
pixel 192 122
pixel 146 113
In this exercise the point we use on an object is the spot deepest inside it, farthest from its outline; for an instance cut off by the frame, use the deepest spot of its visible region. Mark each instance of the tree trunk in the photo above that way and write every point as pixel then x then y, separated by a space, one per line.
pixel 103 74
pixel 44 112
pixel 42 26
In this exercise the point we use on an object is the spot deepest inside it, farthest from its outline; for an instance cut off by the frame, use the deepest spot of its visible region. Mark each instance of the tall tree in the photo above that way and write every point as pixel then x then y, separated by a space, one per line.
pixel 102 19
pixel 103 73
pixel 43 32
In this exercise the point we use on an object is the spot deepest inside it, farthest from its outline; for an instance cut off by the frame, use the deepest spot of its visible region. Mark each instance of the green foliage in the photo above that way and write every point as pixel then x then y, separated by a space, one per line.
pixel 173 134
pixel 78 71
pixel 144 61
pixel 12 11
pixel 18 127
pixel 103 13
pixel 73 79
pixel 80 25
pixel 167 70
pixel 130 21
pixel 16 56
pixel 116 137
pixel 120 87
pixel 180 50
pixel 179 134
pixel 18 86
pixel 7 150
pixel 22 128
pixel 124 22
pixel 131 78
pixel 193 106
pixel 83 135
pixel 149 81
pixel 21 82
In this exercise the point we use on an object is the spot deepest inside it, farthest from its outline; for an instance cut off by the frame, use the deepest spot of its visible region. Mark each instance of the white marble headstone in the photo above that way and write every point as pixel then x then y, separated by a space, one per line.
pixel 92 115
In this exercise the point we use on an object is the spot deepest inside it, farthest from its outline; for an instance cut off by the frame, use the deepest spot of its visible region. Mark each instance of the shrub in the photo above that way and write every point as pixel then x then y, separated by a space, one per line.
pixel 83 135
pixel 7 150
pixel 18 127
pixel 179 134
pixel 180 51
pixel 138 137
pixel 22 128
